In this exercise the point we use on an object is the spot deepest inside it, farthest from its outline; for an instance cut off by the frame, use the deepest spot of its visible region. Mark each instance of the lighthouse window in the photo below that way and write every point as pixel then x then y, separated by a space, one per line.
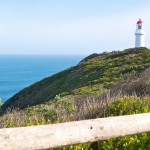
pixel 139 27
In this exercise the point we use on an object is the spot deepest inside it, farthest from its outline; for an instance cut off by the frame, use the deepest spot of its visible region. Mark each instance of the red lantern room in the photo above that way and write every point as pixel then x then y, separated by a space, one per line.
pixel 140 21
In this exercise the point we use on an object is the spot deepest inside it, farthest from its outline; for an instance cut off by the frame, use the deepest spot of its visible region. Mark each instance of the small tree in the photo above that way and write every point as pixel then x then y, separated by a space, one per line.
pixel 0 104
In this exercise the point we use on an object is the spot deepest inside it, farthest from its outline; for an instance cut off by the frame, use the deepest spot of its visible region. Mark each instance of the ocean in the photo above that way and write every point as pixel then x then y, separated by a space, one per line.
pixel 20 71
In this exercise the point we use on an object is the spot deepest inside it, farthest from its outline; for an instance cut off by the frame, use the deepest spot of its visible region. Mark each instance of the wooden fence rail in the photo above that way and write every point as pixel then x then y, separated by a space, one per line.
pixel 57 135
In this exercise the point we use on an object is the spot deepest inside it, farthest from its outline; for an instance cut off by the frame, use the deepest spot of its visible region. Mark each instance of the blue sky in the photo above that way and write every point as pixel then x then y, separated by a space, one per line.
pixel 70 26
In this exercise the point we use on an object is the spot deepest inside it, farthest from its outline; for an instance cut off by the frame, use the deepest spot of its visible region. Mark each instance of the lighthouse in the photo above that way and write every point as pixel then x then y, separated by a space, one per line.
pixel 139 34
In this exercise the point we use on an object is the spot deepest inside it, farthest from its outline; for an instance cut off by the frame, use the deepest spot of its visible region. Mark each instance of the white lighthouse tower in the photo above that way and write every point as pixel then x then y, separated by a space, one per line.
pixel 139 34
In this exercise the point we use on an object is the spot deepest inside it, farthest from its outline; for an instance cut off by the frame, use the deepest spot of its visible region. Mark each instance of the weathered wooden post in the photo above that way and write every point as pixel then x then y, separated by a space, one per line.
pixel 64 134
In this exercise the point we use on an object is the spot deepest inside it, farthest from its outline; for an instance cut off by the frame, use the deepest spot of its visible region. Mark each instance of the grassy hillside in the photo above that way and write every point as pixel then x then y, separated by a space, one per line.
pixel 112 84
pixel 94 74
pixel 120 99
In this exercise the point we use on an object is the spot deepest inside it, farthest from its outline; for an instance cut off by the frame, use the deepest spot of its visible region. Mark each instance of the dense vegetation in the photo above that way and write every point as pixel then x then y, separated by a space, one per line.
pixel 96 73
pixel 101 85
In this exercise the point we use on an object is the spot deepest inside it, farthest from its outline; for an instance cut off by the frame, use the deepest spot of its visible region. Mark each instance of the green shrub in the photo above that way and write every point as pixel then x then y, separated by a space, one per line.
pixel 125 106
pixel 129 105
pixel 65 105
pixel 1 102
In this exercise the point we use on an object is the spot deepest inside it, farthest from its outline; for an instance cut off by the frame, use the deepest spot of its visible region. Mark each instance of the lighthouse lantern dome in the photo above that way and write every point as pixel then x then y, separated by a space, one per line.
pixel 140 24
pixel 140 21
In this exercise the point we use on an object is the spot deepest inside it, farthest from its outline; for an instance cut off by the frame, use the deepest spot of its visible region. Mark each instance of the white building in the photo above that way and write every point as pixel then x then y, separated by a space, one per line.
pixel 139 34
